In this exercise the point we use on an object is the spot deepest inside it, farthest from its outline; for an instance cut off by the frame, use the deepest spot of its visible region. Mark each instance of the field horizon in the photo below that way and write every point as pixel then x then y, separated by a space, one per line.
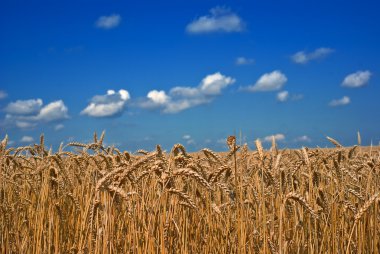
pixel 240 201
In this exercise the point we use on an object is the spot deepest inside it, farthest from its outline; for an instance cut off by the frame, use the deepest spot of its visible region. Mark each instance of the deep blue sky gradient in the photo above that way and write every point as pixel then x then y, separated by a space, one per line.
pixel 52 50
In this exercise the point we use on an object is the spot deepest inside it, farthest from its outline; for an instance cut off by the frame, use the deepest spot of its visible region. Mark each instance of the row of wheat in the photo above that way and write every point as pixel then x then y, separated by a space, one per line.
pixel 88 198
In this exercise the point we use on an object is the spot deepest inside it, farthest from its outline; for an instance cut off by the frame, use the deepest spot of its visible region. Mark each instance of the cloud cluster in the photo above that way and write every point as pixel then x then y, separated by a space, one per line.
pixel 108 105
pixel 340 102
pixel 357 79
pixel 244 61
pixel 182 97
pixel 272 81
pixel 220 19
pixel 303 57
pixel 29 113
pixel 108 22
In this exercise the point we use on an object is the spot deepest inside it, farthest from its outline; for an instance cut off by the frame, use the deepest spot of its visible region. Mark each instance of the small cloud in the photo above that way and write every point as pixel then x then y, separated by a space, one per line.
pixel 11 142
pixel 158 97
pixel 59 127
pixel 244 61
pixel 25 125
pixel 190 142
pixel 182 97
pixel 277 137
pixel 208 141
pixel 340 102
pixel 272 81
pixel 109 105
pixel 24 107
pixel 26 139
pixel 283 96
pixel 3 94
pixel 220 19
pixel 186 137
pixel 357 79
pixel 303 138
pixel 108 22
pixel 303 57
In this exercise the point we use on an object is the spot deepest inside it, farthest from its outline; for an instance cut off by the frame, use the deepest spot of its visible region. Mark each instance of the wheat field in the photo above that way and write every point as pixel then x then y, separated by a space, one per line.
pixel 89 198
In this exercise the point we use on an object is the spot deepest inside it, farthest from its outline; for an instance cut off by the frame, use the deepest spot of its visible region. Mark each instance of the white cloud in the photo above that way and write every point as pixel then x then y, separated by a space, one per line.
pixel 190 142
pixel 181 97
pixel 214 83
pixel 24 107
pixel 108 105
pixel 244 61
pixel 29 113
pixel 277 137
pixel 25 125
pixel 54 111
pixel 340 102
pixel 158 97
pixel 283 96
pixel 272 81
pixel 108 22
pixel 357 79
pixel 187 136
pixel 27 139
pixel 303 138
pixel 3 94
pixel 59 127
pixel 220 19
pixel 303 57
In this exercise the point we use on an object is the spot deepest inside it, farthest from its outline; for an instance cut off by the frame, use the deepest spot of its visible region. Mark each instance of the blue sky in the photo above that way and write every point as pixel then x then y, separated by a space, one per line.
pixel 191 72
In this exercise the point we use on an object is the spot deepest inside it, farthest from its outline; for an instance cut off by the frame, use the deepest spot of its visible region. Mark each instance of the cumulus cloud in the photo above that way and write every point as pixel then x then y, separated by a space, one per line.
pixel 357 79
pixel 277 137
pixel 24 107
pixel 181 97
pixel 27 139
pixel 303 138
pixel 108 22
pixel 244 61
pixel 54 111
pixel 29 113
pixel 272 81
pixel 303 57
pixel 340 102
pixel 283 96
pixel 186 137
pixel 220 19
pixel 108 105
pixel 3 94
